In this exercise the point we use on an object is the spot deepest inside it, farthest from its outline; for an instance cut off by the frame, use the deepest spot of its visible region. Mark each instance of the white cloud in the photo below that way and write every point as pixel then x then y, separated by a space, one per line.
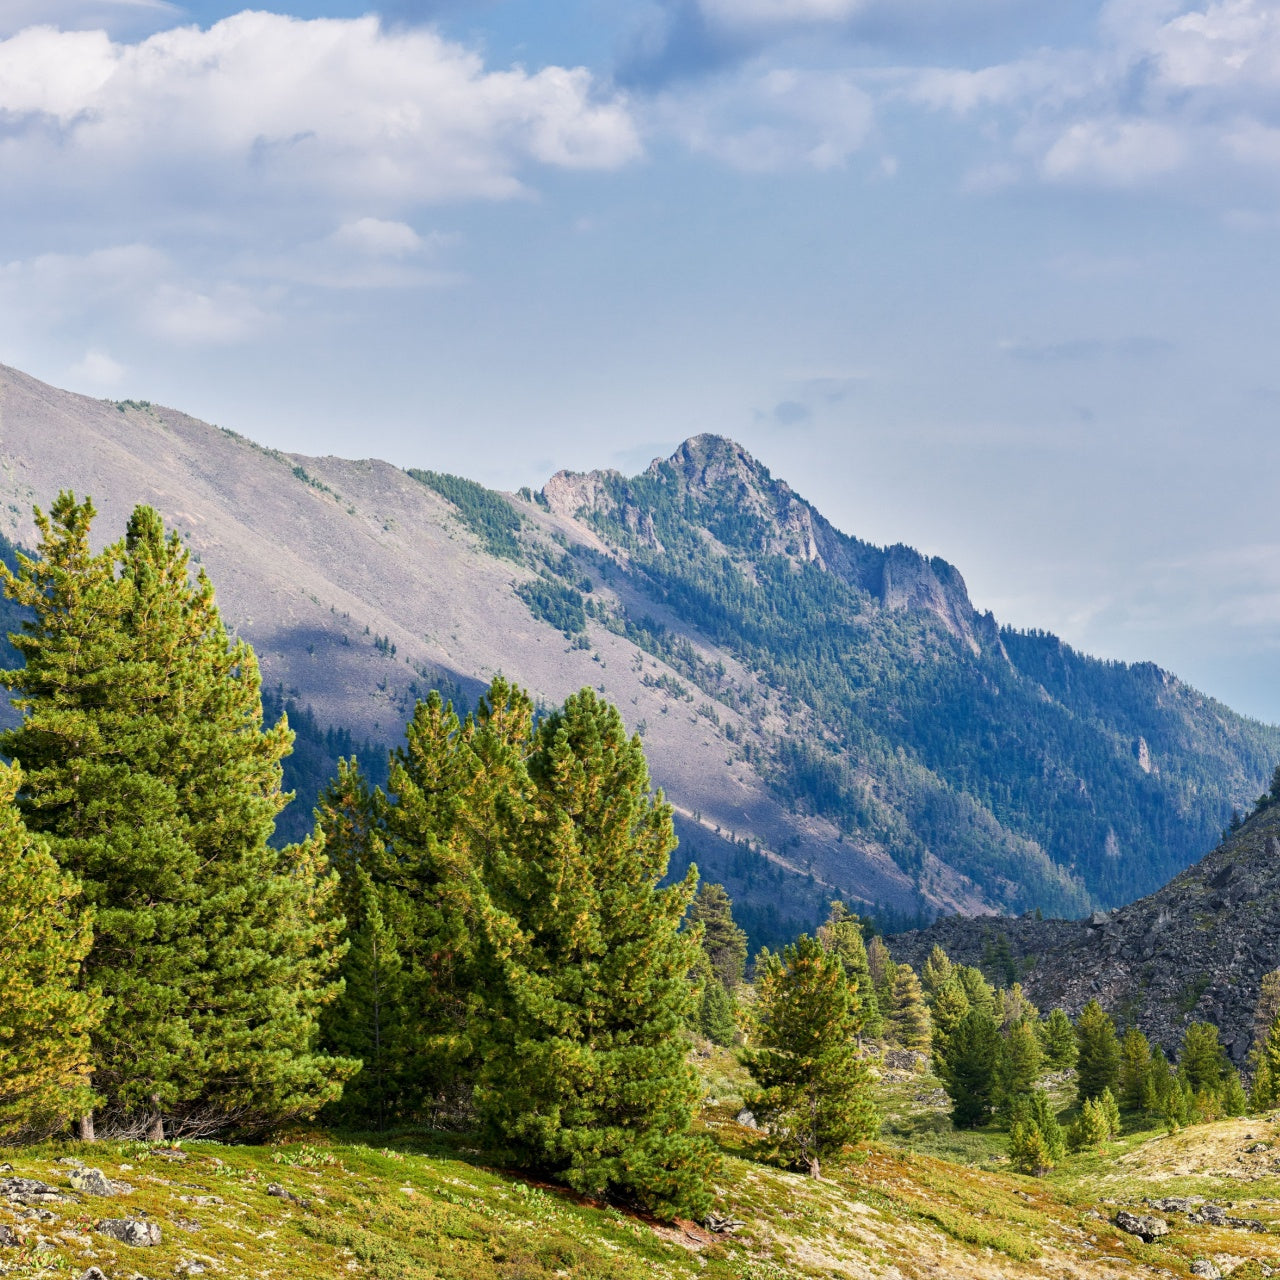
pixel 262 104
pixel 761 13
pixel 377 237
pixel 1115 152
pixel 762 119
pixel 97 369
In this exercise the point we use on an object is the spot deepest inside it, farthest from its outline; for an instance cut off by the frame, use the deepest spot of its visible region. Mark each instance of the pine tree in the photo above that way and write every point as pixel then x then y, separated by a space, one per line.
pixel 815 1090
pixel 1019 1065
pixel 45 1017
pixel 969 1070
pixel 147 767
pixel 1098 1059
pixel 1267 1008
pixel 1234 1100
pixel 1036 1139
pixel 1135 1068
pixel 883 970
pixel 950 1005
pixel 1202 1057
pixel 715 1012
pixel 1014 1007
pixel 584 1070
pixel 842 937
pixel 1160 1084
pixel 1111 1111
pixel 1059 1039
pixel 909 1026
pixel 1268 1070
pixel 723 941
pixel 1262 1088
pixel 980 993
pixel 1092 1129
pixel 936 972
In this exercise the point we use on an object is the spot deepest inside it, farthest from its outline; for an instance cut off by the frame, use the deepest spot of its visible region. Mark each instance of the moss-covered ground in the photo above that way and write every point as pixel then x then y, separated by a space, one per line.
pixel 921 1201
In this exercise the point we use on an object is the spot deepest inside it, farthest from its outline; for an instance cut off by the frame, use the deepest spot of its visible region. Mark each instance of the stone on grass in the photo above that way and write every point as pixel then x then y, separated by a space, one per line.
pixel 132 1231
pixel 93 1182
pixel 1143 1225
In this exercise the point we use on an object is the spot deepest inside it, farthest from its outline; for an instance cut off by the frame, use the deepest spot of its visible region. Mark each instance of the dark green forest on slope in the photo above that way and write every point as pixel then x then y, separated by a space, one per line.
pixel 1018 764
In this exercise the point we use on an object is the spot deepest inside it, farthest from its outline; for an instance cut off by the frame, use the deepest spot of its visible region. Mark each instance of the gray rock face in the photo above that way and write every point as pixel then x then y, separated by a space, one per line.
pixel 1197 948
pixel 8 1237
pixel 132 1231
pixel 1143 1225
pixel 747 1119
pixel 93 1182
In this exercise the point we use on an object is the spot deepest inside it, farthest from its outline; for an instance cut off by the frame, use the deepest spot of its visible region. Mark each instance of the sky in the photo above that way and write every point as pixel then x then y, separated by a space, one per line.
pixel 998 279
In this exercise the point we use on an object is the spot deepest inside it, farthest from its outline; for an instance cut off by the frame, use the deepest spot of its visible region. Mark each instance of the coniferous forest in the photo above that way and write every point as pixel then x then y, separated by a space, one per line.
pixel 477 944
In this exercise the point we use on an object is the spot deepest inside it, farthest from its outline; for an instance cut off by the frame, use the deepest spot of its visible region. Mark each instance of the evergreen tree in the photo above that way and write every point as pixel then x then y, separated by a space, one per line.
pixel 148 768
pixel 45 1017
pixel 936 972
pixel 950 1005
pixel 715 1012
pixel 980 993
pixel 1019 1065
pixel 1262 1088
pixel 883 970
pixel 909 1025
pixel 842 937
pixel 1091 1129
pixel 1235 1101
pixel 1036 1139
pixel 584 1070
pixel 969 1070
pixel 1059 1039
pixel 1202 1057
pixel 815 1091
pixel 1110 1110
pixel 1135 1068
pixel 1267 1008
pixel 1098 1052
pixel 1159 1085
pixel 998 962
pixel 1014 1007
pixel 723 941
pixel 1268 1069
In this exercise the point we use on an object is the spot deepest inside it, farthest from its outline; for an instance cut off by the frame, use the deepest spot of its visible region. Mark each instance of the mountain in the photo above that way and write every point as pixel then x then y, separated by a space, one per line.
pixel 1193 951
pixel 828 717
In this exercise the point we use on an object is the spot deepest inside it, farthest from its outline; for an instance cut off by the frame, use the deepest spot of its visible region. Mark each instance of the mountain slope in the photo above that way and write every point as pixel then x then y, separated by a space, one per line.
pixel 828 717
pixel 1193 951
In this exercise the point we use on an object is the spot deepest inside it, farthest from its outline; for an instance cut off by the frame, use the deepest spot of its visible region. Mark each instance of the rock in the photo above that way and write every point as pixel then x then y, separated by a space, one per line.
pixel 1175 1204
pixel 73 1163
pixel 202 1202
pixel 1214 1215
pixel 8 1237
pixel 746 1119
pixel 30 1191
pixel 1143 1225
pixel 132 1231
pixel 1203 1267
pixel 93 1274
pixel 93 1182
pixel 905 1059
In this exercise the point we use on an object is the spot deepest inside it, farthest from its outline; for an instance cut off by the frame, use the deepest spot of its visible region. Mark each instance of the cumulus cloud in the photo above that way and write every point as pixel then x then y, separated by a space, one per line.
pixel 98 370
pixel 262 104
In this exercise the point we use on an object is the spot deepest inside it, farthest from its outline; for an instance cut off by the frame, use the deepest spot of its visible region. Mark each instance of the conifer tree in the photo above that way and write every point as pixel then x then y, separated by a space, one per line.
pixel 1111 1110
pixel 584 1070
pixel 1091 1129
pixel 1135 1068
pixel 723 941
pixel 883 969
pixel 815 1091
pixel 45 1016
pixel 1262 1090
pixel 148 768
pixel 1202 1058
pixel 1098 1060
pixel 1159 1085
pixel 950 1004
pixel 1019 1064
pixel 1014 1007
pixel 980 993
pixel 909 1026
pixel 1036 1139
pixel 1267 1008
pixel 1235 1102
pixel 715 1012
pixel 1059 1039
pixel 937 970
pixel 842 937
pixel 969 1070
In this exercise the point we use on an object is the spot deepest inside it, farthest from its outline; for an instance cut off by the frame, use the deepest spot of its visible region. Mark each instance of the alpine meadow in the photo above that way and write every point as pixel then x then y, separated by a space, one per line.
pixel 638 640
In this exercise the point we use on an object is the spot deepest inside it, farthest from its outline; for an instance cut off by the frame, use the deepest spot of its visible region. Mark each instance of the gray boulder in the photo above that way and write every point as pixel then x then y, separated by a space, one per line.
pixel 8 1237
pixel 1143 1225
pixel 93 1182
pixel 132 1231
pixel 29 1191
pixel 1204 1268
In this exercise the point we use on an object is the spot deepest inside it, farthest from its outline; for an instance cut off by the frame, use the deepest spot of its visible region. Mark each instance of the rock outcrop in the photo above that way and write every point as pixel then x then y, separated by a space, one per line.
pixel 1194 951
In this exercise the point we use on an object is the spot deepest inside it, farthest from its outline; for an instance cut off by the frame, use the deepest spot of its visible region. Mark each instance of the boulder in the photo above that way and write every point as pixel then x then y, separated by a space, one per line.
pixel 8 1237
pixel 746 1119
pixel 132 1231
pixel 1143 1225
pixel 1203 1267
pixel 29 1191
pixel 93 1182
pixel 94 1273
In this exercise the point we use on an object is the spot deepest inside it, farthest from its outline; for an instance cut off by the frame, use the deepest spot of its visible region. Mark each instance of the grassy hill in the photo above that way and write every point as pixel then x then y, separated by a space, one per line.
pixel 921 1202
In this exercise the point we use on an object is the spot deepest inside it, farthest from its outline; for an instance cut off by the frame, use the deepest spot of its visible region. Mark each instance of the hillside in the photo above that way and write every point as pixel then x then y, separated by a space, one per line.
pixel 1195 950
pixel 828 717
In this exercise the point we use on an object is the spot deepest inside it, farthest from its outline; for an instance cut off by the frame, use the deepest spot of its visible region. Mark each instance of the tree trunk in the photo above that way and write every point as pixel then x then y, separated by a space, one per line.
pixel 814 1170
pixel 84 1127
pixel 156 1132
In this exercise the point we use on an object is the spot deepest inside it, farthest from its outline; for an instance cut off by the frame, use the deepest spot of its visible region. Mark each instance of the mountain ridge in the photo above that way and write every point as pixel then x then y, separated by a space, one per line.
pixel 825 715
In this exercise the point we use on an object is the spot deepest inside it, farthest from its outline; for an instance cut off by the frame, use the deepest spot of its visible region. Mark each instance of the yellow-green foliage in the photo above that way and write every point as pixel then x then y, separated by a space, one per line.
pixel 44 1018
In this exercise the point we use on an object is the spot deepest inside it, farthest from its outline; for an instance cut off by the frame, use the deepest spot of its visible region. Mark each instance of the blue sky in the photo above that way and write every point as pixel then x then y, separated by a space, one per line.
pixel 997 278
